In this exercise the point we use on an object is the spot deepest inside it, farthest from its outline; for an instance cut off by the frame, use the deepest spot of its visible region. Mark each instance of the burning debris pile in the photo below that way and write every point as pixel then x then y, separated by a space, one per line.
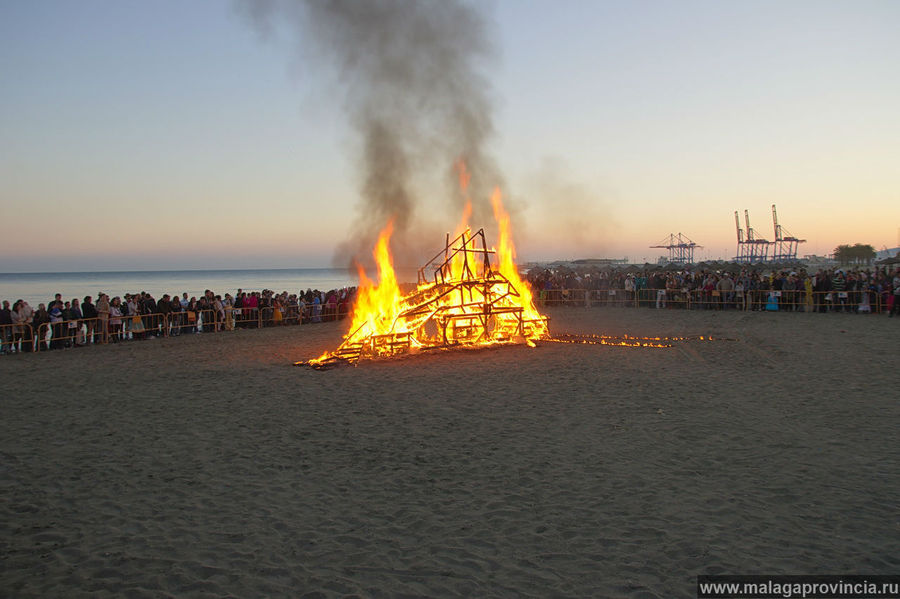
pixel 467 295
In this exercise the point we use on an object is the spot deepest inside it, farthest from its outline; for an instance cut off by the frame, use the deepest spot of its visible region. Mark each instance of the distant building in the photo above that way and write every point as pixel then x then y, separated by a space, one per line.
pixel 600 261
pixel 887 253
pixel 813 261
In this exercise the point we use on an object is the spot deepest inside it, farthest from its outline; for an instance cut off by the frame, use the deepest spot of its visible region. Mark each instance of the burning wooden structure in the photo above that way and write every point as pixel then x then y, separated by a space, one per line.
pixel 462 298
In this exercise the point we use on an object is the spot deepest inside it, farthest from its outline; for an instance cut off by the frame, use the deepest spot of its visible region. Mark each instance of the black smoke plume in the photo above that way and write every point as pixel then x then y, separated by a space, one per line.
pixel 413 88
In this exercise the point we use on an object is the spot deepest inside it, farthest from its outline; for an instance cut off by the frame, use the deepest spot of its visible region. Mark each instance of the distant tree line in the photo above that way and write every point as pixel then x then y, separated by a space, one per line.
pixel 857 253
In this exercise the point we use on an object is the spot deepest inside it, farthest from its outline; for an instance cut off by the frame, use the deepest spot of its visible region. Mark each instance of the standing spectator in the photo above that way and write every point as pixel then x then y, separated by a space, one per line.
pixel 302 311
pixel 250 309
pixel 192 316
pixel 276 311
pixel 331 304
pixel 776 284
pixel 788 295
pixel 866 293
pixel 103 311
pixel 75 325
pixel 202 316
pixel 808 290
pixel 150 309
pixel 265 308
pixel 133 322
pixel 238 309
pixel 317 309
pixel 115 319
pixel 189 313
pixel 177 318
pixel 709 291
pixel 291 313
pixel 725 287
pixel 219 308
pixel 753 291
pixel 658 285
pixel 7 332
pixel 629 290
pixel 56 298
pixel 25 316
pixel 883 289
pixel 15 314
pixel 765 286
pixel 640 284
pixel 839 291
pixel 895 309
pixel 89 313
pixel 164 307
pixel 822 287
pixel 56 324
pixel 228 306
pixel 69 324
pixel 39 318
pixel 739 293
pixel 853 286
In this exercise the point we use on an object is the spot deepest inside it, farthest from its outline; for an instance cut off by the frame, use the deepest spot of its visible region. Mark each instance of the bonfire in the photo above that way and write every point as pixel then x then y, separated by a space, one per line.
pixel 468 295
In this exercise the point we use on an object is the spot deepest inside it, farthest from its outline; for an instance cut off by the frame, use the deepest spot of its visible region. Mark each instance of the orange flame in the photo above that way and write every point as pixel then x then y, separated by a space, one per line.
pixel 377 305
pixel 484 301
pixel 506 253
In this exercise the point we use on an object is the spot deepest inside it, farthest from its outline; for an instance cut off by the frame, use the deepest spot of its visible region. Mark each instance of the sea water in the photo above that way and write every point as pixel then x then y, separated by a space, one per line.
pixel 37 288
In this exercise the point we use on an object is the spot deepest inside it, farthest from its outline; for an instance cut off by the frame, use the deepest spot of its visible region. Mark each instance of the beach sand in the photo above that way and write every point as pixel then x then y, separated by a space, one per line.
pixel 208 466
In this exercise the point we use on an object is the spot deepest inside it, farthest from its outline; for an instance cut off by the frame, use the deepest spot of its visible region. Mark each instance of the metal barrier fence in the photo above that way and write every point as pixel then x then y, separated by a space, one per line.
pixel 16 338
pixel 797 300
pixel 113 329
pixel 87 331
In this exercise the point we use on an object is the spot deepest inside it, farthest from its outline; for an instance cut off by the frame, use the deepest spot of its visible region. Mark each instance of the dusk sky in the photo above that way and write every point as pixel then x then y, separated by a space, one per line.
pixel 161 135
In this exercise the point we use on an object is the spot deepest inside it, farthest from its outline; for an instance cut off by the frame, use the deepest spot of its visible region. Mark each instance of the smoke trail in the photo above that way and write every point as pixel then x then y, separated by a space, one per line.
pixel 414 93
pixel 576 219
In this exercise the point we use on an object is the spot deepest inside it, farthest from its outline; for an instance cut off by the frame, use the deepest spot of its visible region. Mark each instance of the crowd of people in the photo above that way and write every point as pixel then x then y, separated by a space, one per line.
pixel 62 324
pixel 839 290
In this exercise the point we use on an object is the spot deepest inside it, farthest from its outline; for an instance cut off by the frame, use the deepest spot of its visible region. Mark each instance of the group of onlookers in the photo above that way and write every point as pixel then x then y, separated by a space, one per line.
pixel 61 324
pixel 838 290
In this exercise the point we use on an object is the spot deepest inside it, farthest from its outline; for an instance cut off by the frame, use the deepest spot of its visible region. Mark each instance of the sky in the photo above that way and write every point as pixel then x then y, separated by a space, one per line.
pixel 160 135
